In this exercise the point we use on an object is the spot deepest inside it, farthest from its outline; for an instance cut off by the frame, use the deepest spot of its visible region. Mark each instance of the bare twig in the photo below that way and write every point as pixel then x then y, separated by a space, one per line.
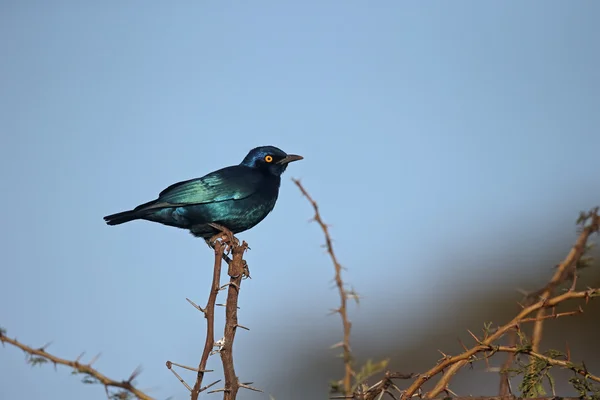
pixel 236 271
pixel 86 369
pixel 342 310
pixel 209 313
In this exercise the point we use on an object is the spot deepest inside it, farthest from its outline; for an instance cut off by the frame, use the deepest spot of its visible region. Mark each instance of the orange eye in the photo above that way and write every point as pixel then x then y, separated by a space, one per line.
pixel 269 159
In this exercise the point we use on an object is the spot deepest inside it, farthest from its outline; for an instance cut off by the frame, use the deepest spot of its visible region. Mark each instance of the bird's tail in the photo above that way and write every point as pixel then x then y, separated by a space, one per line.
pixel 122 217
pixel 137 213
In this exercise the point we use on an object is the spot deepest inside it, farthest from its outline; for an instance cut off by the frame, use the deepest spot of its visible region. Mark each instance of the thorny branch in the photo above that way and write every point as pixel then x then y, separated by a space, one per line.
pixel 209 314
pixel 37 355
pixel 342 310
pixel 222 243
pixel 451 365
pixel 564 271
pixel 237 270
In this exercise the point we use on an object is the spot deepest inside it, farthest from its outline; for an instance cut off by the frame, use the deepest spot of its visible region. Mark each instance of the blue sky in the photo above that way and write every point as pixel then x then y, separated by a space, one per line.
pixel 424 126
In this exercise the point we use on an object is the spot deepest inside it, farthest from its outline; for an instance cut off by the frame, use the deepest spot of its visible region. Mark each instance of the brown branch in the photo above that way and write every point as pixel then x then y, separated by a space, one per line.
pixel 342 310
pixel 507 397
pixel 209 314
pixel 512 340
pixel 467 356
pixel 512 398
pixel 237 270
pixel 564 271
pixel 86 369
pixel 451 365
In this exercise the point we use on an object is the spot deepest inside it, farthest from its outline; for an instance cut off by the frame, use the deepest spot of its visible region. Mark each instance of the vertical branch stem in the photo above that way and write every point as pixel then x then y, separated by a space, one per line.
pixel 236 272
pixel 342 310
pixel 209 314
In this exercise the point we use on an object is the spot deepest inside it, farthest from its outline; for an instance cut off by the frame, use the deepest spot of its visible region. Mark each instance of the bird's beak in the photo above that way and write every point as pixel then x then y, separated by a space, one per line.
pixel 289 158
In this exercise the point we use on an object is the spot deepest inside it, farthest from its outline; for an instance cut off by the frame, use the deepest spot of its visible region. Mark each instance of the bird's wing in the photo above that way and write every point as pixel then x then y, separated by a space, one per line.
pixel 231 183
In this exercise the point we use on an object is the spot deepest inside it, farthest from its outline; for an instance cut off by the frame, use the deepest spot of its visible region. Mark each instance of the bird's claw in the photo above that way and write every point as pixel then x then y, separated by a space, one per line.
pixel 225 235
pixel 246 271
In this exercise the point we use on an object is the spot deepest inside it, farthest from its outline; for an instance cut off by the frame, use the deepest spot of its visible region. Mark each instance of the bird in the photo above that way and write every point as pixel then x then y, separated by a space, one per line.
pixel 236 198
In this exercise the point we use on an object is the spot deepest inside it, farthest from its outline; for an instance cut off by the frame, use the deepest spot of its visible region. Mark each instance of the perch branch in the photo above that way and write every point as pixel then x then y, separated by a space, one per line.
pixel 209 314
pixel 236 271
pixel 87 369
pixel 342 310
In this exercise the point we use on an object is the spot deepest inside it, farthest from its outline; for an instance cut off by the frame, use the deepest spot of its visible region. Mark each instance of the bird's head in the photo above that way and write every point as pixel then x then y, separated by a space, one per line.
pixel 270 159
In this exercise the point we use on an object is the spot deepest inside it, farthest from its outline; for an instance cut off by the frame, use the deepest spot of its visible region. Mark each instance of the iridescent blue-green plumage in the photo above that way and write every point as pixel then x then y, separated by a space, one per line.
pixel 236 197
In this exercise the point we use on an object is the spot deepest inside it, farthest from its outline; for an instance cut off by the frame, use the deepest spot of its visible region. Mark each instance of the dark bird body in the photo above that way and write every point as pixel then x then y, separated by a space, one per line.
pixel 236 197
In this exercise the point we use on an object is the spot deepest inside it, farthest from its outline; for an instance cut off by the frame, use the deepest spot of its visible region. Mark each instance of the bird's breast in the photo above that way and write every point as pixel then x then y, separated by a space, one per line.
pixel 246 213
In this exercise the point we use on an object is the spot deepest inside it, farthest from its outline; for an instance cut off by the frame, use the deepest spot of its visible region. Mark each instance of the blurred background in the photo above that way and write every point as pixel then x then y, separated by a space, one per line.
pixel 451 146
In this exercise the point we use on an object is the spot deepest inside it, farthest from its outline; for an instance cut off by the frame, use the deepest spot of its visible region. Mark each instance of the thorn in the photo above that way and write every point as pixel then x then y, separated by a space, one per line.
pixel 43 348
pixel 247 386
pixel 170 363
pixel 524 292
pixel 94 359
pixel 462 344
pixel 196 306
pixel 235 285
pixel 136 372
pixel 207 386
pixel 181 380
pixel 223 305
pixel 242 326
pixel 79 358
pixel 474 337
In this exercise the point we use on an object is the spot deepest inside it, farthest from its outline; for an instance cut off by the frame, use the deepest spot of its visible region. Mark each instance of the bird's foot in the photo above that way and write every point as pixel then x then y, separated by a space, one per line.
pixel 225 235
pixel 246 271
